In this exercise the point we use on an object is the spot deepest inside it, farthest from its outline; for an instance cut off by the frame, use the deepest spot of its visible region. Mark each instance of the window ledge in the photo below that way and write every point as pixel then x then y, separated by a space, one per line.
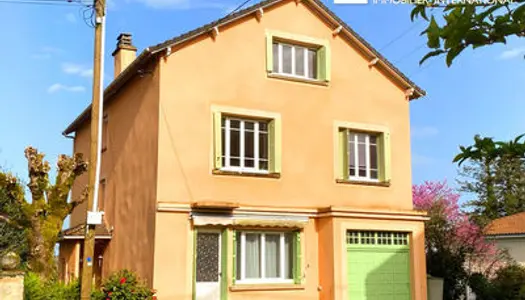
pixel 246 173
pixel 298 79
pixel 360 182
pixel 267 287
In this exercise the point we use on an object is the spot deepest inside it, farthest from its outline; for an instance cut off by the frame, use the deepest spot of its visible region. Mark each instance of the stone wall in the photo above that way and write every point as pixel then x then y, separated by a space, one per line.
pixel 11 285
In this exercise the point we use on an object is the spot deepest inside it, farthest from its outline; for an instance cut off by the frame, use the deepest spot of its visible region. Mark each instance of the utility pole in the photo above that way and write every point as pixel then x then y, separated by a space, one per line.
pixel 93 217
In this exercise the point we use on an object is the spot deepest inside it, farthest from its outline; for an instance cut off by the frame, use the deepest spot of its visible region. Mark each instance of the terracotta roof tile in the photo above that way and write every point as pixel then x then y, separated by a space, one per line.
pixel 514 224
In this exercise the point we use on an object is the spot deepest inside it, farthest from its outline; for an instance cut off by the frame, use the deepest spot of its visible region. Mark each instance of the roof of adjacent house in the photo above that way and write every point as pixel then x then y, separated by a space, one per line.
pixel 510 225
pixel 152 51
pixel 79 231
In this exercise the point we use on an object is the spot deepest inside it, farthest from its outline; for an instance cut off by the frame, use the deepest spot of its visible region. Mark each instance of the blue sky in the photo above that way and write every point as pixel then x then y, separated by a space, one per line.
pixel 46 55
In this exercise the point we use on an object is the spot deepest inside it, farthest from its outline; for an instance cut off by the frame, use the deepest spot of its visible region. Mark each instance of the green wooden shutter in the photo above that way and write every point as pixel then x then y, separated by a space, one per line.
pixel 234 256
pixel 385 154
pixel 324 65
pixel 343 153
pixel 297 276
pixel 269 52
pixel 224 264
pixel 217 140
pixel 275 144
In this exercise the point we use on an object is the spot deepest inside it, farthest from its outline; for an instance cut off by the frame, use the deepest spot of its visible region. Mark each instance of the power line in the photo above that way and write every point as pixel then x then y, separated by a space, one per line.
pixel 409 54
pixel 238 7
pixel 405 32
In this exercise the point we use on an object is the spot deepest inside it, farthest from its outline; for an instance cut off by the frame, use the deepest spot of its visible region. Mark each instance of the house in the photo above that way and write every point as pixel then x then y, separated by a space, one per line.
pixel 509 233
pixel 262 156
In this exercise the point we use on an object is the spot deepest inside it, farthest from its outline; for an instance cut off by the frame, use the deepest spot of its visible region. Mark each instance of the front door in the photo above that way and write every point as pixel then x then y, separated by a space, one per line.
pixel 208 265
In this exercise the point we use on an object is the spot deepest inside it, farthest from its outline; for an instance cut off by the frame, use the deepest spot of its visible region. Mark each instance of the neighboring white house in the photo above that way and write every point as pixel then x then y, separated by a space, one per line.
pixel 509 233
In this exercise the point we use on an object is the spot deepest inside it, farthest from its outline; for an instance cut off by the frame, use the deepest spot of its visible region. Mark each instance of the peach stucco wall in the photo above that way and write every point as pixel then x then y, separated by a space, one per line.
pixel 130 169
pixel 230 71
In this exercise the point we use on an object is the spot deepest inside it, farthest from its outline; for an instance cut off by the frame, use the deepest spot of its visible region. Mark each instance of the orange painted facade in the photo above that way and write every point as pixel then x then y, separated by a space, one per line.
pixel 159 160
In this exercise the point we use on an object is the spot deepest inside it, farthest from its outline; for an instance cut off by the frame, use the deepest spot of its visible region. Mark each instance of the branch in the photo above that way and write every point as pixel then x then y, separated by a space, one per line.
pixel 38 175
pixel 83 197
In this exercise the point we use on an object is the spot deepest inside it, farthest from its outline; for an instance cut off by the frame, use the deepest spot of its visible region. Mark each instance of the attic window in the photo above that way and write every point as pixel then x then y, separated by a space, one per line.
pixel 297 57
pixel 294 60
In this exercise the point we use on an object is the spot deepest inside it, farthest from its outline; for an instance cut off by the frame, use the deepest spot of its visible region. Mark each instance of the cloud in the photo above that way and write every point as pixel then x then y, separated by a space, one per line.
pixel 423 132
pixel 76 69
pixel 57 87
pixel 513 53
pixel 186 4
pixel 70 17
pixel 422 160
pixel 46 52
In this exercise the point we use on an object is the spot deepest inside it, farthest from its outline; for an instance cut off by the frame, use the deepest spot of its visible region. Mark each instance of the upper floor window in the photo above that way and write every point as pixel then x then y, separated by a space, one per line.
pixel 294 60
pixel 298 57
pixel 244 144
pixel 363 155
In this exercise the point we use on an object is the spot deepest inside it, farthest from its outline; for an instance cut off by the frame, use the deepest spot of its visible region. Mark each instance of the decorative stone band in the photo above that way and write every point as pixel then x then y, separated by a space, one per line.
pixel 281 221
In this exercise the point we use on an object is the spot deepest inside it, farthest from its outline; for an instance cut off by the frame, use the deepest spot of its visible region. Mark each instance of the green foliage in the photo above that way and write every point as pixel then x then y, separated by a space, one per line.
pixel 470 24
pixel 495 173
pixel 13 236
pixel 508 284
pixel 123 285
pixel 36 288
pixel 43 216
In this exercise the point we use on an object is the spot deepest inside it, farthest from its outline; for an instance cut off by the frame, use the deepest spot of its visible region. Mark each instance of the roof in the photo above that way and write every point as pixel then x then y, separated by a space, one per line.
pixel 79 231
pixel 153 51
pixel 510 225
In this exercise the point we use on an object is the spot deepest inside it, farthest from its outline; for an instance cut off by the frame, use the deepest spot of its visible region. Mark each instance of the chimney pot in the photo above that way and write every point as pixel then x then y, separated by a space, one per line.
pixel 124 54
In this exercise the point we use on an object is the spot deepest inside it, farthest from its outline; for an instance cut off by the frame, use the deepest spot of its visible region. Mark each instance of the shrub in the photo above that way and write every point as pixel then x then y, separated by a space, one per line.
pixel 124 285
pixel 508 284
pixel 36 288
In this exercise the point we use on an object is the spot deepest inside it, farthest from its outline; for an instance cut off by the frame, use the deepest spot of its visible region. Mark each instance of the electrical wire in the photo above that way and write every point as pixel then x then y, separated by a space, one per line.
pixel 409 54
pixel 405 32
pixel 238 7
pixel 44 2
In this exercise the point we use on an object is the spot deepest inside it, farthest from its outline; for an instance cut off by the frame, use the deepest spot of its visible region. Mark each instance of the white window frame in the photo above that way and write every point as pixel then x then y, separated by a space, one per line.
pixel 305 55
pixel 241 269
pixel 356 176
pixel 256 158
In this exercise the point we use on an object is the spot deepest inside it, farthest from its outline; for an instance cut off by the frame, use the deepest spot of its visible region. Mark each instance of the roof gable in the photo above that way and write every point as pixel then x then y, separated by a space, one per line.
pixel 338 26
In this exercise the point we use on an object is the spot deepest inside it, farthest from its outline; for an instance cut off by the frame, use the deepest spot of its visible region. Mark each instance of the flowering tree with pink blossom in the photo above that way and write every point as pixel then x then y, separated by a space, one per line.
pixel 455 246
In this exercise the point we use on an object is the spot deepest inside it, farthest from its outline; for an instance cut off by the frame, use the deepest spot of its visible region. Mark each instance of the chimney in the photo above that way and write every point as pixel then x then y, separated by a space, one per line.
pixel 124 54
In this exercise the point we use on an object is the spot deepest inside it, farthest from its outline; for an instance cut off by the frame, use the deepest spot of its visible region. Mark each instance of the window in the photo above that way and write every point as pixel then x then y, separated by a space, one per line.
pixel 381 238
pixel 297 57
pixel 244 144
pixel 294 60
pixel 105 133
pixel 363 153
pixel 266 257
pixel 362 156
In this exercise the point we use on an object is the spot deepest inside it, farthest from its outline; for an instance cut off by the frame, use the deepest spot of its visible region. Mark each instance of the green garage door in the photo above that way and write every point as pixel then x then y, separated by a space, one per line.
pixel 378 265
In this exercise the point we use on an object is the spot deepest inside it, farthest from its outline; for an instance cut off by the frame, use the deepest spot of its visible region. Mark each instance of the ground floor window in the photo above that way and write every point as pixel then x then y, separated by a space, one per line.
pixel 266 256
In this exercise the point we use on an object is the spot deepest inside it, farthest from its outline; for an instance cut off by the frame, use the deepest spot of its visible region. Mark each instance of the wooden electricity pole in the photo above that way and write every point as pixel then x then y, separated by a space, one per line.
pixel 94 163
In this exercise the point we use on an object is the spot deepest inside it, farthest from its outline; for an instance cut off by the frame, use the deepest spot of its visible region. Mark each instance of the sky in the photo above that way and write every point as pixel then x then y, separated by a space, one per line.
pixel 46 69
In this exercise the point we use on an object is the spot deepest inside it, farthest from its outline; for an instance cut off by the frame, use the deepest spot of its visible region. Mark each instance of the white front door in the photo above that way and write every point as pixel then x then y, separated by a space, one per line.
pixel 208 268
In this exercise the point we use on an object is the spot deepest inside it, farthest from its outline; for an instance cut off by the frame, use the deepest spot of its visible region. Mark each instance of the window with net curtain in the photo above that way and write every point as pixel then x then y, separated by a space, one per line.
pixel 264 256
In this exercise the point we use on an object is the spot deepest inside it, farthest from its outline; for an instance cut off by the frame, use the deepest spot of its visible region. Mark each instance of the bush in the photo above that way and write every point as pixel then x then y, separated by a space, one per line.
pixel 124 285
pixel 36 288
pixel 508 284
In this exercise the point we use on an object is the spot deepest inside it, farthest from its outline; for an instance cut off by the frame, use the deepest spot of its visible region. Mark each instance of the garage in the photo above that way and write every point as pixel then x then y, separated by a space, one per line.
pixel 378 265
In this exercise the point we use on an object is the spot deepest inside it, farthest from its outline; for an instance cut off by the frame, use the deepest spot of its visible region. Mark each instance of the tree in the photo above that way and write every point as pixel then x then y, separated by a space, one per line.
pixel 13 236
pixel 45 213
pixel 455 246
pixel 495 173
pixel 472 23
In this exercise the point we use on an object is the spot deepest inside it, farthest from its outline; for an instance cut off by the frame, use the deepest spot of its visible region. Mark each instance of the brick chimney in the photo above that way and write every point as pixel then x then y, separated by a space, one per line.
pixel 124 54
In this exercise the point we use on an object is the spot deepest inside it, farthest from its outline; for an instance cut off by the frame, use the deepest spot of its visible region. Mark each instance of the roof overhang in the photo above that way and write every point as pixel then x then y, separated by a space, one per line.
pixel 412 91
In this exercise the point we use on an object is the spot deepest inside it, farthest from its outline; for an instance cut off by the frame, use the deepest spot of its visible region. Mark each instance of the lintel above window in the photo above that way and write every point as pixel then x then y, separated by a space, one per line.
pixel 297 57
